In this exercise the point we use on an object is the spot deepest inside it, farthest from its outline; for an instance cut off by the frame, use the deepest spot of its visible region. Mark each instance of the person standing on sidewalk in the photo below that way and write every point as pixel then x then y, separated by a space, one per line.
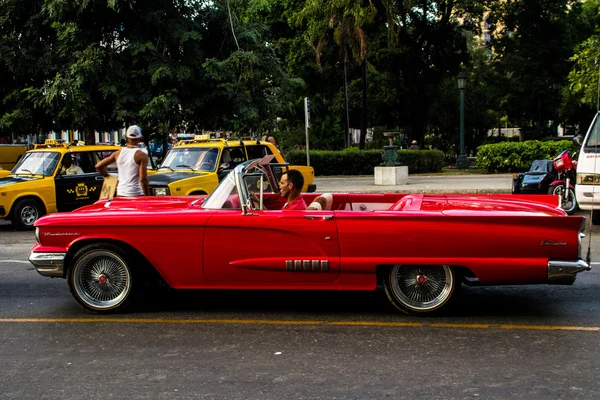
pixel 132 166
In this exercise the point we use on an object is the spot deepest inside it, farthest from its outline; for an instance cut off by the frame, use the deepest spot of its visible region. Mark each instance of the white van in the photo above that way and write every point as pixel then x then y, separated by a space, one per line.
pixel 587 189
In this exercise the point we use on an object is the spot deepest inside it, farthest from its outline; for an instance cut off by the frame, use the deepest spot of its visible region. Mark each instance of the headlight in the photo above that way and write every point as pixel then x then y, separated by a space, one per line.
pixel 37 234
pixel 588 179
pixel 160 191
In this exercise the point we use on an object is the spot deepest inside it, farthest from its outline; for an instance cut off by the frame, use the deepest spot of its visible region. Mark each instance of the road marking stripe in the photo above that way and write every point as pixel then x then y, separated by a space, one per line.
pixel 285 322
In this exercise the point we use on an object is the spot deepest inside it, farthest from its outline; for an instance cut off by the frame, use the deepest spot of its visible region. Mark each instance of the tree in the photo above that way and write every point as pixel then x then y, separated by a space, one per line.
pixel 25 60
pixel 532 51
pixel 425 45
pixel 343 21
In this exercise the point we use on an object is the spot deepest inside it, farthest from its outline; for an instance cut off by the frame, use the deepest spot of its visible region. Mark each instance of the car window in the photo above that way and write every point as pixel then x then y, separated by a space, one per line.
pixel 258 151
pixel 232 156
pixel 84 161
pixel 194 158
pixel 101 155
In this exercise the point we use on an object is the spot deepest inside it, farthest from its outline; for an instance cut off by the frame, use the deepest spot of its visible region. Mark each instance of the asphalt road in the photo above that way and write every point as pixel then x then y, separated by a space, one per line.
pixel 534 342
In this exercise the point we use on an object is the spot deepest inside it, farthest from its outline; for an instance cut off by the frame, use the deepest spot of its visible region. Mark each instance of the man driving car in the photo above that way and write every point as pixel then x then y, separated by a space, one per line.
pixel 290 187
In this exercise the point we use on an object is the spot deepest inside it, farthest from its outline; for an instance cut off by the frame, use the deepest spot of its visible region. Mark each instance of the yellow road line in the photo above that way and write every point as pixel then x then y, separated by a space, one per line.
pixel 293 322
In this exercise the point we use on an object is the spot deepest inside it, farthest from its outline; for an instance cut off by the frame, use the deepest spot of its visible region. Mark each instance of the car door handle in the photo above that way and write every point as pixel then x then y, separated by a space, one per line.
pixel 99 178
pixel 321 217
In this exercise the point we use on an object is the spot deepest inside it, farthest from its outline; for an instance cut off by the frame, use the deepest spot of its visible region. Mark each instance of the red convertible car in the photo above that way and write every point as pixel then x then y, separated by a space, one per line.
pixel 419 247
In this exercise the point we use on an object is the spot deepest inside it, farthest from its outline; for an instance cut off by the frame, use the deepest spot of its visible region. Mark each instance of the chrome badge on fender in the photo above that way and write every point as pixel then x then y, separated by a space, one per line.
pixel 553 243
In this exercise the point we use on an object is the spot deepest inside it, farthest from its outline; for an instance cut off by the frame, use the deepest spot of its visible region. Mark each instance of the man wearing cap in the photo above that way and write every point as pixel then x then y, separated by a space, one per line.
pixel 132 165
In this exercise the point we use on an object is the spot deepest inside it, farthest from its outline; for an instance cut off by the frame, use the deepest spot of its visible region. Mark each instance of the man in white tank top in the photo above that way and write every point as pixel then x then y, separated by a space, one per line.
pixel 132 165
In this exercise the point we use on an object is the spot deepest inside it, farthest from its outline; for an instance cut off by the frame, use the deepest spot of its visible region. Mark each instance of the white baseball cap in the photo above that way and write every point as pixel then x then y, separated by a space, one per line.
pixel 134 132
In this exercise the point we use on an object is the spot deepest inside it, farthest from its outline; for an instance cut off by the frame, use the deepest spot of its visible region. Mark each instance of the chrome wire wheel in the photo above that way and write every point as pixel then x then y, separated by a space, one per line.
pixel 421 289
pixel 29 214
pixel 101 279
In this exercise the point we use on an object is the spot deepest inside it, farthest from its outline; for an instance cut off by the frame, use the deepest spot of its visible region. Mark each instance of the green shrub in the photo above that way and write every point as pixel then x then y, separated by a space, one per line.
pixel 353 161
pixel 514 156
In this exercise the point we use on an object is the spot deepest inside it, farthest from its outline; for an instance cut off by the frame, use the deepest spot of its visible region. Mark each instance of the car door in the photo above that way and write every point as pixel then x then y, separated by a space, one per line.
pixel 80 189
pixel 271 247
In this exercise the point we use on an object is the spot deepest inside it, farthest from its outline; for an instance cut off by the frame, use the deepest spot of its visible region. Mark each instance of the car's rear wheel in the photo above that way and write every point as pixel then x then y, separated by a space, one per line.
pixel 24 214
pixel 418 289
pixel 101 278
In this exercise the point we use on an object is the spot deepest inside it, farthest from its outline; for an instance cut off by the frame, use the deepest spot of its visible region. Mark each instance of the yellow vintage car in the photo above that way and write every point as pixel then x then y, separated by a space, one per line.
pixel 195 167
pixel 40 184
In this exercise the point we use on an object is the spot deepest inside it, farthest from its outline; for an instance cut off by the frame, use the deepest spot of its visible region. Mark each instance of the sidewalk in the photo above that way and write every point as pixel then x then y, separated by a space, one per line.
pixel 493 183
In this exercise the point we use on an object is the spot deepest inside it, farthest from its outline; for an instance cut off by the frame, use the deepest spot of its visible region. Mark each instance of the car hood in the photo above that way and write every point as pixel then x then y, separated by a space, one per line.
pixel 117 210
pixel 143 204
pixel 164 178
pixel 9 180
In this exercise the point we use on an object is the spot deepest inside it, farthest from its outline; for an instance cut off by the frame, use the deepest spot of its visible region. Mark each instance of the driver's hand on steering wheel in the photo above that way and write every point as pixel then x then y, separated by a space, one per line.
pixel 255 201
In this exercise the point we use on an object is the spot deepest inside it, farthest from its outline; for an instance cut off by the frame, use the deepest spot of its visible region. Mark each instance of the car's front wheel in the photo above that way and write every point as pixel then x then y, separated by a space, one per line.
pixel 24 214
pixel 101 278
pixel 418 289
pixel 568 200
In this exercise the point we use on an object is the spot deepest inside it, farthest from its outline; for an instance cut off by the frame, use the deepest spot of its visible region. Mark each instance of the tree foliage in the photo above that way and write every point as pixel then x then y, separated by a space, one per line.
pixel 245 66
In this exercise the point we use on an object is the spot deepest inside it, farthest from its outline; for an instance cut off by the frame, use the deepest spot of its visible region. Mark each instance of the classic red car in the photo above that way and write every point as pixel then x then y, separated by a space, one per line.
pixel 419 247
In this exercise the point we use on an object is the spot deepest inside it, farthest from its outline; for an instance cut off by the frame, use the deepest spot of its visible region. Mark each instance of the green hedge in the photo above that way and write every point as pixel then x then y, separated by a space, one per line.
pixel 363 162
pixel 515 156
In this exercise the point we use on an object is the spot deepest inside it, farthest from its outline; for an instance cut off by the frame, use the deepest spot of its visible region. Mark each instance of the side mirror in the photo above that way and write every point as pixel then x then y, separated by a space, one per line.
pixel 578 141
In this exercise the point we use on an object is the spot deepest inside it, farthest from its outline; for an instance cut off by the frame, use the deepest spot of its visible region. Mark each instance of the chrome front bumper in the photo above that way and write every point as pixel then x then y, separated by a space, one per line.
pixel 564 272
pixel 49 264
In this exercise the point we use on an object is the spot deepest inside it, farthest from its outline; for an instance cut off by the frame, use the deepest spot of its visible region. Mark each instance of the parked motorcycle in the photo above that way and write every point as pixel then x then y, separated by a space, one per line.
pixel 537 180
pixel 564 186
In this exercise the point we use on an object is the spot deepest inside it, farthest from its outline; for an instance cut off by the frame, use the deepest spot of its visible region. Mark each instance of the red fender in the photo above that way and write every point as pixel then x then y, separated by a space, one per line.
pixel 561 182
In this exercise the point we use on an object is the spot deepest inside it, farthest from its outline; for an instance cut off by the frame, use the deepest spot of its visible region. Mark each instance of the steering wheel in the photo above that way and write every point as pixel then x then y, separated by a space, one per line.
pixel 254 201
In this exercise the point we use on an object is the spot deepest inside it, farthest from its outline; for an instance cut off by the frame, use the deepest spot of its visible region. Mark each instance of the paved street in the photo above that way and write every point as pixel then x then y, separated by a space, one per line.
pixel 533 342
pixel 492 183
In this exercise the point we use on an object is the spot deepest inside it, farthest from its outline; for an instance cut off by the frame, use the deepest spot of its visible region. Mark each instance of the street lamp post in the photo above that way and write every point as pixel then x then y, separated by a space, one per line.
pixel 461 161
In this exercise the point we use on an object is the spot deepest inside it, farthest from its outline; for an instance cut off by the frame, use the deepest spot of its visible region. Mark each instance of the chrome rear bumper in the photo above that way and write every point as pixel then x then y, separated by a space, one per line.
pixel 49 264
pixel 564 272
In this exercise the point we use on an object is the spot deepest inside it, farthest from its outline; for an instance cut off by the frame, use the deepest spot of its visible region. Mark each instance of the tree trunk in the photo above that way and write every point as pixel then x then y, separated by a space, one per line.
pixel 364 114
pixel 89 136
pixel 347 136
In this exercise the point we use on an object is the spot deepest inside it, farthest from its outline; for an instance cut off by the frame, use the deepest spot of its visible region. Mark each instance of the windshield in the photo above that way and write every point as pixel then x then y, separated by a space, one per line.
pixel 194 158
pixel 594 136
pixel 37 163
pixel 225 195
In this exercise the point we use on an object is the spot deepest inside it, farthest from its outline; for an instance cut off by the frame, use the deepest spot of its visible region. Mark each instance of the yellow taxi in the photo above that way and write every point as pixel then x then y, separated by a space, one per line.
pixel 194 167
pixel 55 176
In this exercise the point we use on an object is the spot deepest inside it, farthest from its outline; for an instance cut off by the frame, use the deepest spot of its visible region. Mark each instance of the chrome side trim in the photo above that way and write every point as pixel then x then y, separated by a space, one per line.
pixel 564 272
pixel 48 264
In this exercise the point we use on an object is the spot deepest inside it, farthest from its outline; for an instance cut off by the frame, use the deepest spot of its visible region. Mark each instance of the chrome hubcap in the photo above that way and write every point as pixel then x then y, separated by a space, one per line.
pixel 29 214
pixel 422 288
pixel 102 279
